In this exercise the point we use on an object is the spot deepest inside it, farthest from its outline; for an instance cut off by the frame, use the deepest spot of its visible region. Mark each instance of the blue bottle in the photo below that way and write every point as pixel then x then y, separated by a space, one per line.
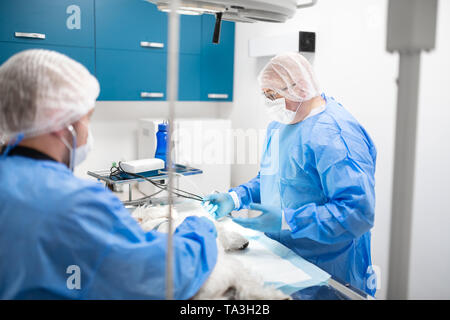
pixel 161 142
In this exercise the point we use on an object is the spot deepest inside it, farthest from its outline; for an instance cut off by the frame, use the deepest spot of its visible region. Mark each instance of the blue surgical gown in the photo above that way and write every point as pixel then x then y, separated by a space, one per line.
pixel 320 172
pixel 50 220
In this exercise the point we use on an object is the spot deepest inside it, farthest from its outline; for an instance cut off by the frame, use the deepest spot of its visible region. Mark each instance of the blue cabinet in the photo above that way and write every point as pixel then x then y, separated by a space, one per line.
pixel 85 56
pixel 190 34
pixel 131 50
pixel 124 43
pixel 61 22
pixel 217 61
pixel 136 26
pixel 131 75
pixel 189 77
pixel 189 61
pixel 130 25
pixel 135 75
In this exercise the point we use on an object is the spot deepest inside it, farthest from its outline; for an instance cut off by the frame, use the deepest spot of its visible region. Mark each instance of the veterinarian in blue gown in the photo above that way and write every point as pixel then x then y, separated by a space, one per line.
pixel 315 186
pixel 66 238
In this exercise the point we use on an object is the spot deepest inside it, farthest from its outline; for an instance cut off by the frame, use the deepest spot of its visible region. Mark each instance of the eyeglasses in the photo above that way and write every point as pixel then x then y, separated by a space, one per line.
pixel 272 95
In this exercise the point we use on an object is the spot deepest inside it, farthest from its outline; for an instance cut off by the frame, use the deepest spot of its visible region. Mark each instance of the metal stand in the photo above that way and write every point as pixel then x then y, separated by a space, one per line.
pixel 113 182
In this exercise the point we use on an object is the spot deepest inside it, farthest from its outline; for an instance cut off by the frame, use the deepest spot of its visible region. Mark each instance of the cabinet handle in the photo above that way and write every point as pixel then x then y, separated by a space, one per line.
pixel 217 96
pixel 29 35
pixel 146 44
pixel 152 95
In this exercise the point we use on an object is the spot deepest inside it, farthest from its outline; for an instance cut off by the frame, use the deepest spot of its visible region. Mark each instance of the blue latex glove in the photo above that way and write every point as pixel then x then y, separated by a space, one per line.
pixel 269 221
pixel 220 204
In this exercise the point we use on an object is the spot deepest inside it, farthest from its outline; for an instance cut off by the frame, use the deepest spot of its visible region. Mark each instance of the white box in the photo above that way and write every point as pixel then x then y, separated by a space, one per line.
pixel 142 165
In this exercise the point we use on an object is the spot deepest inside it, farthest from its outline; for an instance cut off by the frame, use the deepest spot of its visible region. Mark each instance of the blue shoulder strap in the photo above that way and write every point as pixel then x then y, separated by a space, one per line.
pixel 12 144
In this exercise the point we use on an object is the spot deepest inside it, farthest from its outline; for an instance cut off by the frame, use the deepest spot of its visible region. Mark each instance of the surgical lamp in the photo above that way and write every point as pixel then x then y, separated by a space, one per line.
pixel 237 10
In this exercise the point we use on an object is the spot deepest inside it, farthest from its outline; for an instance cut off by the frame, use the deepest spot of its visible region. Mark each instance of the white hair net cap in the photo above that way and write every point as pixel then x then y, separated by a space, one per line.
pixel 42 91
pixel 291 76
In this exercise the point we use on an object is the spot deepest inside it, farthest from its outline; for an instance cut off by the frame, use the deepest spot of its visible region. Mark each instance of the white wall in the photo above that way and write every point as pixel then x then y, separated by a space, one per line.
pixel 430 257
pixel 352 65
pixel 115 123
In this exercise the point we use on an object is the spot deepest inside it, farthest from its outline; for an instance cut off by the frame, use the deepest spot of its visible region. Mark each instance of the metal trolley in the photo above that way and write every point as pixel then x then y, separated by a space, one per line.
pixel 112 182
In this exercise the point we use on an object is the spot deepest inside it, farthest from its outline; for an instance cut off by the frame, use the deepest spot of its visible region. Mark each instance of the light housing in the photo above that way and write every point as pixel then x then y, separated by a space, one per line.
pixel 236 10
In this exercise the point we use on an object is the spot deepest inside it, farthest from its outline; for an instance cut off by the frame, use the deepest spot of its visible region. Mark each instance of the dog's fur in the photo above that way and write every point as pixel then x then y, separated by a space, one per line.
pixel 229 278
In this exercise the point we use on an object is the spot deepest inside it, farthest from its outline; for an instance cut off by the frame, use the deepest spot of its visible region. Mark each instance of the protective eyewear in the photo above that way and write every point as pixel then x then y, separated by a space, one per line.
pixel 272 95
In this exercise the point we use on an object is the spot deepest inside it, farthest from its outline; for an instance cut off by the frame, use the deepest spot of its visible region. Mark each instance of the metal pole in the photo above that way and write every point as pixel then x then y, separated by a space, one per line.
pixel 172 89
pixel 411 29
pixel 403 184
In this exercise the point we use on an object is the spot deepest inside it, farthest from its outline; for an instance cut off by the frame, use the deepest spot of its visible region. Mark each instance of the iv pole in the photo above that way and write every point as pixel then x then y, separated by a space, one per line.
pixel 172 88
pixel 411 30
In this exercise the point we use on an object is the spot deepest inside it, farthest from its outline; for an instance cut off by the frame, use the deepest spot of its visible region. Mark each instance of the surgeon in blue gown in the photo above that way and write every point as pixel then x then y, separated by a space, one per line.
pixel 315 187
pixel 62 237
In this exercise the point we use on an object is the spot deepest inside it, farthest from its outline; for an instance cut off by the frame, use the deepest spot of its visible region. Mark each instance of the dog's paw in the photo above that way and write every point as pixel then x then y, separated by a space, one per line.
pixel 231 240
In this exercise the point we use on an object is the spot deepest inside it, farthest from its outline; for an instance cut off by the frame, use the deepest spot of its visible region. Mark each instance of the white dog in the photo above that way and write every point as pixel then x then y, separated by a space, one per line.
pixel 229 279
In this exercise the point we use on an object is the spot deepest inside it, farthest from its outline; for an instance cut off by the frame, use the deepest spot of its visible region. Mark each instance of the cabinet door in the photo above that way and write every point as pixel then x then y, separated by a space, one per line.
pixel 61 22
pixel 217 61
pixel 189 77
pixel 130 24
pixel 131 75
pixel 85 56
pixel 190 34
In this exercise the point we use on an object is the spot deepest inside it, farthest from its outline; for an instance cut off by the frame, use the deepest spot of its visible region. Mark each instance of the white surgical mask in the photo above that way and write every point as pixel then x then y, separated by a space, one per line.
pixel 78 154
pixel 278 112
pixel 82 152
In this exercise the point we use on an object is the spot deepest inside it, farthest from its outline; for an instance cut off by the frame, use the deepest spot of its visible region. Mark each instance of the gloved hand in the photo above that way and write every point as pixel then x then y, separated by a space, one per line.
pixel 269 221
pixel 220 204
